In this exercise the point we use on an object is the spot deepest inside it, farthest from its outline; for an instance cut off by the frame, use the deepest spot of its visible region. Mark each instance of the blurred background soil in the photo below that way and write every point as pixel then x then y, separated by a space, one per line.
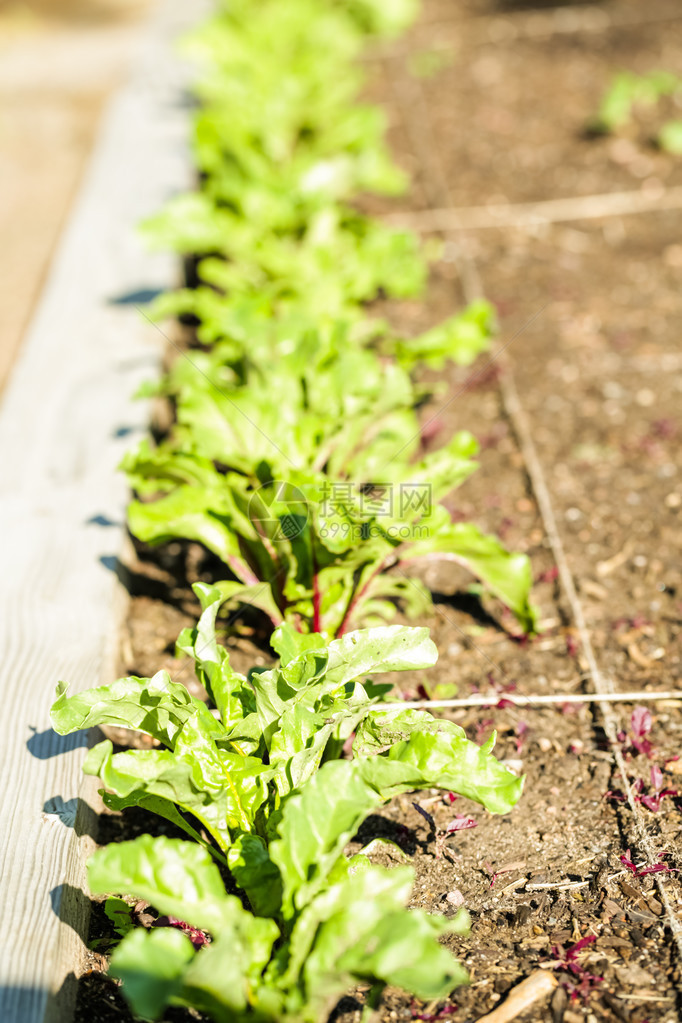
pixel 60 61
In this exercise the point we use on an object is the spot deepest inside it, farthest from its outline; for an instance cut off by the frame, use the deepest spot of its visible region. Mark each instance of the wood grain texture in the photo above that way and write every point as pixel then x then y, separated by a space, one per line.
pixel 65 421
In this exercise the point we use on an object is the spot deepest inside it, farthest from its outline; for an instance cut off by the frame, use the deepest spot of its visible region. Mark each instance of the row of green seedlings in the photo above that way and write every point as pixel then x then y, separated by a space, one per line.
pixel 293 403
pixel 629 94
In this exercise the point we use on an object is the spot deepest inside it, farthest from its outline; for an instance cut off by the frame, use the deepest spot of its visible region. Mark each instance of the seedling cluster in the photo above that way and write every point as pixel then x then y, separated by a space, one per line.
pixel 295 457
pixel 629 92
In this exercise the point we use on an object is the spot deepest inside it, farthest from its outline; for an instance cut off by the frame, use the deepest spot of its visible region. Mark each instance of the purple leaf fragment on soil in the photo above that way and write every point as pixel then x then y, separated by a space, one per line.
pixel 443 1013
pixel 627 862
pixel 521 728
pixel 640 721
pixel 637 741
pixel 664 428
pixel 431 428
pixel 425 814
pixel 484 728
pixel 657 868
pixel 550 575
pixel 460 823
pixel 572 645
pixel 494 874
pixel 653 802
pixel 196 936
pixel 567 961
pixel 572 951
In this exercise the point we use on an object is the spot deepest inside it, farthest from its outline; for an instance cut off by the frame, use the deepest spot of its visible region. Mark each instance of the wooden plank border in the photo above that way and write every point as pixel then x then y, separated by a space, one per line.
pixel 65 420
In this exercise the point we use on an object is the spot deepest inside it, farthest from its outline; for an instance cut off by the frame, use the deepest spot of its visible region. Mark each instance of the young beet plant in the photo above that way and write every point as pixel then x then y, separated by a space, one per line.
pixel 629 91
pixel 285 491
pixel 276 921
pixel 313 550
pixel 283 146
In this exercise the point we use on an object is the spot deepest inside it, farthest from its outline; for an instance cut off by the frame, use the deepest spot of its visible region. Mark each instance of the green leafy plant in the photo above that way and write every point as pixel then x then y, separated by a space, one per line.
pixel 670 137
pixel 280 491
pixel 301 397
pixel 282 146
pixel 626 92
pixel 272 805
pixel 310 548
pixel 296 458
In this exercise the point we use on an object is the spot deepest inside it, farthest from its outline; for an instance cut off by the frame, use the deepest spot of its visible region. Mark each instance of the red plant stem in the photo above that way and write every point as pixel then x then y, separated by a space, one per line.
pixel 242 571
pixel 317 618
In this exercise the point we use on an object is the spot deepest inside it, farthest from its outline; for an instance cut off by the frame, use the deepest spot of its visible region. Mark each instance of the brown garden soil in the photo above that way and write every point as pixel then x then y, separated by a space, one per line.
pixel 590 312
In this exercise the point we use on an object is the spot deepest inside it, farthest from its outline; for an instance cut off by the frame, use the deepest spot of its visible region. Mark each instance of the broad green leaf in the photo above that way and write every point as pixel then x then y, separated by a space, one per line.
pixel 304 670
pixel 239 783
pixel 358 929
pixel 271 694
pixel 347 908
pixel 223 980
pixel 461 338
pixel 626 91
pixel 381 729
pixel 254 871
pixel 378 845
pixel 297 748
pixel 288 643
pixel 192 513
pixel 446 761
pixel 161 807
pixel 255 595
pixel 319 819
pixel 119 912
pixel 402 950
pixel 316 824
pixel 222 790
pixel 212 662
pixel 507 576
pixel 367 651
pixel 178 878
pixel 157 706
pixel 670 137
pixel 151 965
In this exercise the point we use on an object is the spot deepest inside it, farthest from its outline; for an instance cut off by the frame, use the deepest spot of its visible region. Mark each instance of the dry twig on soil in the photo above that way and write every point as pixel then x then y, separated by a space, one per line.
pixel 538 985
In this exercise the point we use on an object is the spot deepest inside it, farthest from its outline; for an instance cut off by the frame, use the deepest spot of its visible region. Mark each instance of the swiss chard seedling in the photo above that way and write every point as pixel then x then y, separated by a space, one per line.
pixel 260 790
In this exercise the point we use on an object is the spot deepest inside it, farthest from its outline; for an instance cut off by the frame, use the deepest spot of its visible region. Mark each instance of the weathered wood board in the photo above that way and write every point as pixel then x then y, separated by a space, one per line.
pixel 65 421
